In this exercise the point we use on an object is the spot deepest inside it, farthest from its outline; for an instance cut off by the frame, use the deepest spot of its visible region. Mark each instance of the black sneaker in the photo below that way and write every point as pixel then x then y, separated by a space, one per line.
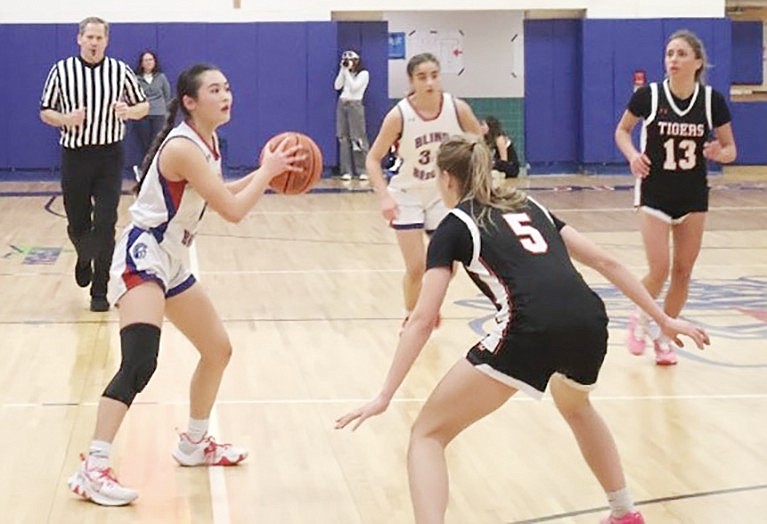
pixel 83 273
pixel 99 304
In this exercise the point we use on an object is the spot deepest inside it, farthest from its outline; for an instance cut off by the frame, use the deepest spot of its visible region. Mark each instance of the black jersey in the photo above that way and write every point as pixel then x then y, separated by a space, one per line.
pixel 674 134
pixel 676 130
pixel 520 262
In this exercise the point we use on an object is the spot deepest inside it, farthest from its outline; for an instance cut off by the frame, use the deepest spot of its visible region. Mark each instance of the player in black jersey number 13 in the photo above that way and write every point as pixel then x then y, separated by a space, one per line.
pixel 680 114
pixel 551 328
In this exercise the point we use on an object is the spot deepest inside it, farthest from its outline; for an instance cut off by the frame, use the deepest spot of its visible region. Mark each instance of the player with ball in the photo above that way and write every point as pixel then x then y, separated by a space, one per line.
pixel 153 281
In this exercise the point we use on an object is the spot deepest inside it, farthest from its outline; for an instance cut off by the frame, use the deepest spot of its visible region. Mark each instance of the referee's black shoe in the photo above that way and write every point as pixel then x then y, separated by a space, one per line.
pixel 83 273
pixel 99 303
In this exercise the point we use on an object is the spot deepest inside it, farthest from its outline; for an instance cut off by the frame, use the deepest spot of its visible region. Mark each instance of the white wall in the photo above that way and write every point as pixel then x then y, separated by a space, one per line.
pixel 46 11
pixel 493 59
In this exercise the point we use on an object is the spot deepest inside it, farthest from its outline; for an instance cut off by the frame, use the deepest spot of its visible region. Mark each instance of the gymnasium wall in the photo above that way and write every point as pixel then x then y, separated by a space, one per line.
pixel 578 80
pixel 281 73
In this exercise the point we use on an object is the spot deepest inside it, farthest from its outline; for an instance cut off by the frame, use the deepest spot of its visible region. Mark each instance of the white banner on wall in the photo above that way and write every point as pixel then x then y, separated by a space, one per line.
pixel 447 46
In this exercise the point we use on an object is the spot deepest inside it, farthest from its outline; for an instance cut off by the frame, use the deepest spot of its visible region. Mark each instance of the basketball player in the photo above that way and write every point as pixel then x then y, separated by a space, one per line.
pixel 182 178
pixel 680 114
pixel 411 203
pixel 551 328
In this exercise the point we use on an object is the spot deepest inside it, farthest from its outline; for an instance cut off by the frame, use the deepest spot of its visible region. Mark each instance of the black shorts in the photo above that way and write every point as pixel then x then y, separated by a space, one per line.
pixel 527 361
pixel 675 195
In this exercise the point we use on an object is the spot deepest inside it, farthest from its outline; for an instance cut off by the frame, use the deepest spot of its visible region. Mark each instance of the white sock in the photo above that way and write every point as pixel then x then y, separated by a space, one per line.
pixel 653 330
pixel 98 454
pixel 620 502
pixel 197 429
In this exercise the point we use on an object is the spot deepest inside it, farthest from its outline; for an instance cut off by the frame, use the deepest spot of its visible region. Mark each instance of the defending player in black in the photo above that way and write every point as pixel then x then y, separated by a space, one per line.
pixel 551 327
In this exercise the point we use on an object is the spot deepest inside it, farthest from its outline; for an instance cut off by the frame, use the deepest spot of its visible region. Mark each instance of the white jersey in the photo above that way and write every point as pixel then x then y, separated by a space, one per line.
pixel 172 210
pixel 420 140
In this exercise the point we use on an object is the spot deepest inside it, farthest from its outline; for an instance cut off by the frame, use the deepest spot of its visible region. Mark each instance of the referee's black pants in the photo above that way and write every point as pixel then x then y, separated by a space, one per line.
pixel 91 183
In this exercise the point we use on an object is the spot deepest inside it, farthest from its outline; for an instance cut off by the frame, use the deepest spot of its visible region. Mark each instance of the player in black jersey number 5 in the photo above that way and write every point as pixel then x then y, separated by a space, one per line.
pixel 551 328
pixel 680 114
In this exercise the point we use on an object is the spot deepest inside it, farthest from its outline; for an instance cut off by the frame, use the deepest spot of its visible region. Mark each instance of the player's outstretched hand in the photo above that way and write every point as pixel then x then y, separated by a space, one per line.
pixel 375 407
pixel 675 327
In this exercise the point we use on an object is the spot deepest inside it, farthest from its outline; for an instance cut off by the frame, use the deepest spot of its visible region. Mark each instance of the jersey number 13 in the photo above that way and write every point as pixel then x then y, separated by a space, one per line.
pixel 687 158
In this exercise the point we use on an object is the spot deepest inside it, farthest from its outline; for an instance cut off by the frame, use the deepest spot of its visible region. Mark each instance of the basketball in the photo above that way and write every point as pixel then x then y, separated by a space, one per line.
pixel 297 182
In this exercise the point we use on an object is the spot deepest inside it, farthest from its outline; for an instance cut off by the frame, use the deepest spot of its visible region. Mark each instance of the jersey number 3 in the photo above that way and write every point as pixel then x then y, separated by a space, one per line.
pixel 530 238
pixel 687 161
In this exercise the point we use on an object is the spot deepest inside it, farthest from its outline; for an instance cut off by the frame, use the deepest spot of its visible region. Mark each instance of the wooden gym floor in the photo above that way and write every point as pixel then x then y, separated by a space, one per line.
pixel 309 289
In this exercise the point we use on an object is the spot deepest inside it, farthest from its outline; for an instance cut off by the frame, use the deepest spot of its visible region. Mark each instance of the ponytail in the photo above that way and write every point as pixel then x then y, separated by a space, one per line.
pixel 188 84
pixel 170 121
pixel 468 159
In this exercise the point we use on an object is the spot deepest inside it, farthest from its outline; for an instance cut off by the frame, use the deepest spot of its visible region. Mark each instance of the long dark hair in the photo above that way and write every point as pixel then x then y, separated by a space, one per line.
pixel 494 130
pixel 140 70
pixel 188 84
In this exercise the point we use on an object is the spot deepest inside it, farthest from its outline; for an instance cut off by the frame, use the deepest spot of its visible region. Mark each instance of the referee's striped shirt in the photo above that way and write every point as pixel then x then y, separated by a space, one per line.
pixel 73 83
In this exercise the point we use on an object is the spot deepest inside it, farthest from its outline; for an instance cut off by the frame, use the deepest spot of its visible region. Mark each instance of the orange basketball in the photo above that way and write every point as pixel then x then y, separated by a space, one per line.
pixel 297 182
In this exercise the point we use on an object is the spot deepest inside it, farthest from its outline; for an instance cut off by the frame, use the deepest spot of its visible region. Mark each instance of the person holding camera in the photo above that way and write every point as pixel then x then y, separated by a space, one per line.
pixel 352 80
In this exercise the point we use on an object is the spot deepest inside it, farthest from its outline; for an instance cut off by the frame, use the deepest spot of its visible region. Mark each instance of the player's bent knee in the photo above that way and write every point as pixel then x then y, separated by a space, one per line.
pixel 140 344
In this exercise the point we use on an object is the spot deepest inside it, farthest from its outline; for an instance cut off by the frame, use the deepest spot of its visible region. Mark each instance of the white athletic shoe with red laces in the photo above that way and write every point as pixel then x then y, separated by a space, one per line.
pixel 100 485
pixel 207 452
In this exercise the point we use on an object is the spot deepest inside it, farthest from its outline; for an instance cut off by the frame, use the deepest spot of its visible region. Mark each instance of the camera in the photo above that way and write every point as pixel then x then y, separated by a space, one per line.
pixel 346 62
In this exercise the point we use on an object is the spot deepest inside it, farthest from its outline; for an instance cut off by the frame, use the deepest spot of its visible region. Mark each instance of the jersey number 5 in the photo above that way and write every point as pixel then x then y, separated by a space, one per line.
pixel 530 238
pixel 687 147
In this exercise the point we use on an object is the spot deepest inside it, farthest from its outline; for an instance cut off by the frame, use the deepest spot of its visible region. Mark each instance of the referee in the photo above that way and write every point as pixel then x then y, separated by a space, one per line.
pixel 88 97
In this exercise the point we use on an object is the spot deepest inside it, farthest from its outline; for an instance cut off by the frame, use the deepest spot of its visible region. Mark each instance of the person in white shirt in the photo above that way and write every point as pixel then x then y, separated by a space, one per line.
pixel 352 80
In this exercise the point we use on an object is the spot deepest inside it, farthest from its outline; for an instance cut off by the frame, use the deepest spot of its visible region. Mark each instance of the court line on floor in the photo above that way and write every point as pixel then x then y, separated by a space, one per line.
pixel 396 400
pixel 219 499
pixel 700 494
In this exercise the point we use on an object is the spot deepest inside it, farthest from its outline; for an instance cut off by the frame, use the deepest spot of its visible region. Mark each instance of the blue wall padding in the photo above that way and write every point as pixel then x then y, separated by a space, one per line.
pixel 24 139
pixel 321 66
pixel 609 51
pixel 281 75
pixel 748 123
pixel 598 94
pixel 281 89
pixel 645 54
pixel 552 86
pixel 567 88
pixel 747 43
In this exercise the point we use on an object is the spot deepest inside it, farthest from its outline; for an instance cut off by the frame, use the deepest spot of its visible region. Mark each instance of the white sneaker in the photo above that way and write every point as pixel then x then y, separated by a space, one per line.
pixel 346 176
pixel 363 177
pixel 208 452
pixel 100 485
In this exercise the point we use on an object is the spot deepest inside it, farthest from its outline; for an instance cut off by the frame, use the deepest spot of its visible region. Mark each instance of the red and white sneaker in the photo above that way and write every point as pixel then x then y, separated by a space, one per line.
pixel 207 452
pixel 100 485
pixel 635 340
pixel 665 355
pixel 629 518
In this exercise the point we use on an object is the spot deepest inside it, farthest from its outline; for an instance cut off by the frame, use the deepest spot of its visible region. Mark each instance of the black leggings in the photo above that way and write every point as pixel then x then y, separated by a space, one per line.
pixel 91 183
